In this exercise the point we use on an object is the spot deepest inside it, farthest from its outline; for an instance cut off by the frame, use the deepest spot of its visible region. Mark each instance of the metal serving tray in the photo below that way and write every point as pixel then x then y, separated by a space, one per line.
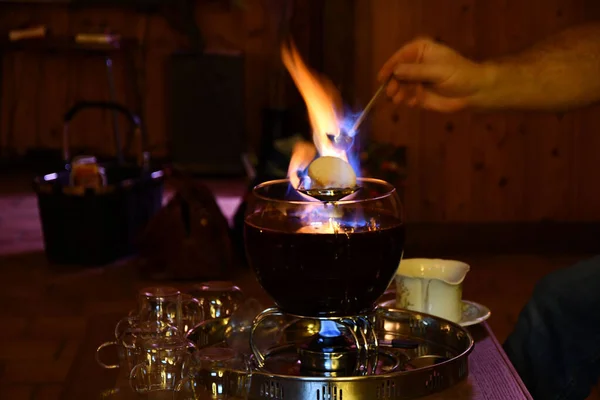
pixel 437 360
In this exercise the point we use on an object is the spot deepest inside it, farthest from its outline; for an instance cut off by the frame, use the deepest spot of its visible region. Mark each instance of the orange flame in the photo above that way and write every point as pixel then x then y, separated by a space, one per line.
pixel 323 103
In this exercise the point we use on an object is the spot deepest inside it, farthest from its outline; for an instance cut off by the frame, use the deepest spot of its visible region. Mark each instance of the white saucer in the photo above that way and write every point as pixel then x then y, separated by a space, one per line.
pixel 472 313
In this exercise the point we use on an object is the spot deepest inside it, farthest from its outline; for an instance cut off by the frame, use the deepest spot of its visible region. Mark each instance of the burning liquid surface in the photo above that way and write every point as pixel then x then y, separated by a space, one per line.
pixel 337 265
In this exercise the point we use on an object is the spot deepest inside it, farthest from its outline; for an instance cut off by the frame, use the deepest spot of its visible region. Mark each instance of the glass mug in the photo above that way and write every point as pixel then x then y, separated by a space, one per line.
pixel 165 365
pixel 165 305
pixel 128 332
pixel 221 373
pixel 218 299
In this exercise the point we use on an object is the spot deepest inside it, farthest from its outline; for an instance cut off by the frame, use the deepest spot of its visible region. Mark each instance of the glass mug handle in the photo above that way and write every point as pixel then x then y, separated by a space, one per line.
pixel 192 305
pixel 99 349
pixel 129 320
pixel 260 358
pixel 191 313
pixel 138 384
pixel 180 391
pixel 137 378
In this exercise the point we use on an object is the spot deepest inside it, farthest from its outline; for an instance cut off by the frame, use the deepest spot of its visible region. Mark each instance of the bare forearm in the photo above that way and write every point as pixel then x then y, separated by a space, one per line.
pixel 559 73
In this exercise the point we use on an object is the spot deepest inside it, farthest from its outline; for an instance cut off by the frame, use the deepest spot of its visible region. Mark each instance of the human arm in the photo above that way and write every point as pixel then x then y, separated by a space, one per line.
pixel 559 73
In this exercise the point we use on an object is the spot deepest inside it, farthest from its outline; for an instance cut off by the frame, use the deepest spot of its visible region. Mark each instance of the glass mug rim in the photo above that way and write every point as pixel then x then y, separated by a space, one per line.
pixel 216 286
pixel 389 190
pixel 158 292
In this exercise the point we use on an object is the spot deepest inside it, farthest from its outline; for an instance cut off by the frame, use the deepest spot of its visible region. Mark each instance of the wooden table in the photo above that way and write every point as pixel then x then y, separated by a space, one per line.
pixel 491 375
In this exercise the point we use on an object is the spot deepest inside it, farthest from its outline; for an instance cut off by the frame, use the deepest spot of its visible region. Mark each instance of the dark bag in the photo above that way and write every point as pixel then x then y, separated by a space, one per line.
pixel 188 238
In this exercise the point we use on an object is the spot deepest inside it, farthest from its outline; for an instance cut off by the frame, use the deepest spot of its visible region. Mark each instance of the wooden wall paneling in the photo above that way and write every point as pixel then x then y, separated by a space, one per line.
pixel 496 164
pixel 282 20
pixel 154 91
pixel 488 29
pixel 6 90
pixel 159 42
pixel 364 73
pixel 263 63
pixel 9 16
pixel 506 162
pixel 339 46
pixel 306 28
pixel 314 30
pixel 88 80
pixel 129 75
pixel 585 173
pixel 591 10
pixel 254 31
pixel 6 106
pixel 29 74
pixel 52 100
pixel 445 163
pixel 24 72
pixel 462 167
pixel 364 70
pixel 571 124
pixel 91 129
pixel 225 30
pixel 247 29
pixel 395 23
pixel 256 28
pixel 549 141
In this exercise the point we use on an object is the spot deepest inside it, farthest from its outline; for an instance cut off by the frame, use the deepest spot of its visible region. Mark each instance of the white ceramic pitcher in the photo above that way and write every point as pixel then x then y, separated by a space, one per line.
pixel 432 286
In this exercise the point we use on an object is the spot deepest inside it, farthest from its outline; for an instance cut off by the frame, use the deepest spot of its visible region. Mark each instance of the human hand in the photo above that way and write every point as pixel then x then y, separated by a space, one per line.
pixel 433 76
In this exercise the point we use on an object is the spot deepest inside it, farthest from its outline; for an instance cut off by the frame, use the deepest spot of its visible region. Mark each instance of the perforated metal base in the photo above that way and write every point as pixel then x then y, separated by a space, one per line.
pixel 435 355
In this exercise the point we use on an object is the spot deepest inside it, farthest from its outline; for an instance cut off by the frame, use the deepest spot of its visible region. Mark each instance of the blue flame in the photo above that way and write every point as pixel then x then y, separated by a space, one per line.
pixel 329 329
pixel 346 124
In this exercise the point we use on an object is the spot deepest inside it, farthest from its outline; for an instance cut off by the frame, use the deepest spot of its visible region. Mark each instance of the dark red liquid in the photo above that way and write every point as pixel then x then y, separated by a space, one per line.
pixel 321 274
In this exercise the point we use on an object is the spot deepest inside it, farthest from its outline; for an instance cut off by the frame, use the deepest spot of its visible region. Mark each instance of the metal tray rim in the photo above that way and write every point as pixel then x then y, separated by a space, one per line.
pixel 390 375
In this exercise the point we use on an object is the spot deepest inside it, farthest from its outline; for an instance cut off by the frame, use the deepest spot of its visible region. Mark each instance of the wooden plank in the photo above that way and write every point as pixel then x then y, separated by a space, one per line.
pixel 53 101
pixel 492 167
pixel 456 196
pixel 90 130
pixel 394 23
pixel 364 71
pixel 450 239
pixel 338 46
pixel 445 155
pixel 513 161
pixel 497 155
pixel 248 29
pixel 548 144
pixel 585 172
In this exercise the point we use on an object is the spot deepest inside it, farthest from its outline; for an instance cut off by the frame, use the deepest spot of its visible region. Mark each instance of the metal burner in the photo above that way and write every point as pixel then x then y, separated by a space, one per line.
pixel 354 350
pixel 328 354
pixel 327 362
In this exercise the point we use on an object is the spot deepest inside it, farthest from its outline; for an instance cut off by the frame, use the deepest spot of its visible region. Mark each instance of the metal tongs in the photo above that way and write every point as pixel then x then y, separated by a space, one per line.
pixel 345 139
